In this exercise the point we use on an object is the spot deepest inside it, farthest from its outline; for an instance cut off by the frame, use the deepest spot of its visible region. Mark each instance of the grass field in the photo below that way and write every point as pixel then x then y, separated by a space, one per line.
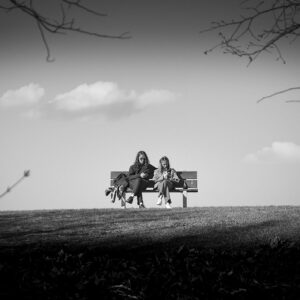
pixel 210 253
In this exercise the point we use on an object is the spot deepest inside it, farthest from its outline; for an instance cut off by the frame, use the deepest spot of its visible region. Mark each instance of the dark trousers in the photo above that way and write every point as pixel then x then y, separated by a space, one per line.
pixel 138 185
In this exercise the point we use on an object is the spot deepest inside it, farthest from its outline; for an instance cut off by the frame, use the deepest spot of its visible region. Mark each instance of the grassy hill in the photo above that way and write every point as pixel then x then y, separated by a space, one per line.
pixel 213 253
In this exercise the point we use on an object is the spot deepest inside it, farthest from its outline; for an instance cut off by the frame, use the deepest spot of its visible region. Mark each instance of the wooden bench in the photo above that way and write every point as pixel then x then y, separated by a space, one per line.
pixel 188 184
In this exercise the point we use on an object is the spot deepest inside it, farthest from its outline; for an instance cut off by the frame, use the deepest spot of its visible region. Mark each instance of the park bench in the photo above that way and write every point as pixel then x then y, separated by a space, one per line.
pixel 188 184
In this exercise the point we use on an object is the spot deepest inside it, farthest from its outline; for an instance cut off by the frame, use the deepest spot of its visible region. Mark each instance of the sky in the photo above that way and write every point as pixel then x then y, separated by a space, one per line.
pixel 89 112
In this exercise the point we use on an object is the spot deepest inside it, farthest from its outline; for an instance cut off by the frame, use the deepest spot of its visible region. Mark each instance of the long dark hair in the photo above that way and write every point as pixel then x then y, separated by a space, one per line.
pixel 164 158
pixel 137 162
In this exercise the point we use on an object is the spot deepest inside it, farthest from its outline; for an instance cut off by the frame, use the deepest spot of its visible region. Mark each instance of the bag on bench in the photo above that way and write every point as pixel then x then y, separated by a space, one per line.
pixel 121 179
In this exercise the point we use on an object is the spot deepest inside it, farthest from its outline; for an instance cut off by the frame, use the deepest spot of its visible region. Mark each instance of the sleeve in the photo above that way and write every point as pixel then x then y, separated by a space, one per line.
pixel 157 176
pixel 132 174
pixel 174 176
pixel 151 172
pixel 147 171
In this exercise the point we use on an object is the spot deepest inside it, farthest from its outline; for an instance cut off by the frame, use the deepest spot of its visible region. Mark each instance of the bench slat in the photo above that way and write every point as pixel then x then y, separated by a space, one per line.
pixel 183 174
pixel 114 174
pixel 191 183
pixel 187 174
pixel 176 190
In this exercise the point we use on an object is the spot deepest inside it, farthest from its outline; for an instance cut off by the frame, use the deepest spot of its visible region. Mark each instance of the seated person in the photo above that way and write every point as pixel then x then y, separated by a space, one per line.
pixel 138 178
pixel 165 179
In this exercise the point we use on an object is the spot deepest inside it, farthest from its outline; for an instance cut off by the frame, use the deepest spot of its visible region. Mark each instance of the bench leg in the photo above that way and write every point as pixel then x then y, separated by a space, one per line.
pixel 184 199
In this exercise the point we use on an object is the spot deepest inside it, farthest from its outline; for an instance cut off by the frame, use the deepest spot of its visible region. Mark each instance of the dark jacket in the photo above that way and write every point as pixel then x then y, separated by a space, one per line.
pixel 135 171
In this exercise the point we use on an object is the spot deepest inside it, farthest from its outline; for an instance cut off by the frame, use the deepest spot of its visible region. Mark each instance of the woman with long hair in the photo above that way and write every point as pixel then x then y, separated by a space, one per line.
pixel 165 179
pixel 138 177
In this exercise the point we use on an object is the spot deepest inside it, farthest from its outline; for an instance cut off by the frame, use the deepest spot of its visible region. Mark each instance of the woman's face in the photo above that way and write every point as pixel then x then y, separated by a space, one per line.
pixel 164 164
pixel 142 159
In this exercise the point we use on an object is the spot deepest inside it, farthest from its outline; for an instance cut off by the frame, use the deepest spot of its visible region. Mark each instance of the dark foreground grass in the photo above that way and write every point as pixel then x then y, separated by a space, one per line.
pixel 209 253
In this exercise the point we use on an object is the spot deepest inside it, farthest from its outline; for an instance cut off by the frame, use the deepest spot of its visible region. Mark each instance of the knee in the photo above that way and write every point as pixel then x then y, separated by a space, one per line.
pixel 170 184
pixel 137 180
pixel 166 182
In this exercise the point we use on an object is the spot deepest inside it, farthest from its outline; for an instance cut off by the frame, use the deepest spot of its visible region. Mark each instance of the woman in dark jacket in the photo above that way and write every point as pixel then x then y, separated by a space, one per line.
pixel 138 177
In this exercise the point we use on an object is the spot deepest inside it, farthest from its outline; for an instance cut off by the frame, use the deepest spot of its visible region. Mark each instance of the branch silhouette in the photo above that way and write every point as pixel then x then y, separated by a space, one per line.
pixel 9 188
pixel 265 24
pixel 280 92
pixel 60 25
pixel 264 27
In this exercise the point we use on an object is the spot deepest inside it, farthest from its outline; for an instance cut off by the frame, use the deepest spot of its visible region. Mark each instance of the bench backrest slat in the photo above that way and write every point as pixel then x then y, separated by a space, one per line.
pixel 189 176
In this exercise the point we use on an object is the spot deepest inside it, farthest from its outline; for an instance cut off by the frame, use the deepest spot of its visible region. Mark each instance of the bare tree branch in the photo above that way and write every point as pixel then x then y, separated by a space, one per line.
pixel 49 59
pixel 278 93
pixel 64 25
pixel 266 24
pixel 9 188
pixel 80 6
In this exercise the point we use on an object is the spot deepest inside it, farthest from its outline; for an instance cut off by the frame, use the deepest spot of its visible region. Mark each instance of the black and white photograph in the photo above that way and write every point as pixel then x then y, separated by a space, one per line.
pixel 149 149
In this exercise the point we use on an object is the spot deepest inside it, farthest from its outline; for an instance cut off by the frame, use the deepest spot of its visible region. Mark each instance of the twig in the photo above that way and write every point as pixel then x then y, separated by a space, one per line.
pixel 25 174
pixel 245 40
pixel 278 93
pixel 65 25
pixel 292 101
pixel 79 5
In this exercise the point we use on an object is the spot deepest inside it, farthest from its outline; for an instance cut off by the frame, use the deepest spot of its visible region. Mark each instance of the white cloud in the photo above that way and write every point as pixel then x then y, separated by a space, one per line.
pixel 107 97
pixel 25 96
pixel 84 101
pixel 279 152
pixel 90 96
pixel 154 97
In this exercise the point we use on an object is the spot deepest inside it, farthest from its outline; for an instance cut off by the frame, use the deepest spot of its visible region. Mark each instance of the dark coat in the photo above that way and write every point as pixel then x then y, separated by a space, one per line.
pixel 135 171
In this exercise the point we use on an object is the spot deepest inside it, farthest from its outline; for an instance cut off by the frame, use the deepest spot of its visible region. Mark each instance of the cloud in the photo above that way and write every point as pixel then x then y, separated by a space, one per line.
pixel 23 97
pixel 154 97
pixel 84 101
pixel 109 99
pixel 279 152
pixel 91 96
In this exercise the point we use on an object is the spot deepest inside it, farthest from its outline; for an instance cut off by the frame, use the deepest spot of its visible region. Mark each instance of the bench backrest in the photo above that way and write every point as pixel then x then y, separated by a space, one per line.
pixel 190 177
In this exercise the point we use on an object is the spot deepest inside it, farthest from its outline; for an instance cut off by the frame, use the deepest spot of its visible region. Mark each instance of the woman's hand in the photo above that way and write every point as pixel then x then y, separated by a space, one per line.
pixel 143 175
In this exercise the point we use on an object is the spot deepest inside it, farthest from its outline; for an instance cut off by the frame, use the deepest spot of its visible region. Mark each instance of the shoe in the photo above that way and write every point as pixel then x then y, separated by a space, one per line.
pixel 139 199
pixel 121 190
pixel 168 205
pixel 141 205
pixel 159 200
pixel 108 191
pixel 130 200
